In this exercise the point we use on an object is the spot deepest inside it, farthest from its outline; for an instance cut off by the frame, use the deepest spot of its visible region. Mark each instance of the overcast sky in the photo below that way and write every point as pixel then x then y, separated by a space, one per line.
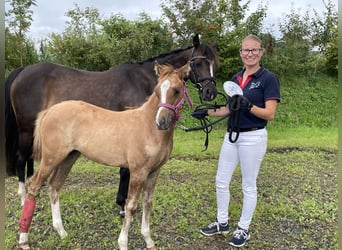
pixel 49 16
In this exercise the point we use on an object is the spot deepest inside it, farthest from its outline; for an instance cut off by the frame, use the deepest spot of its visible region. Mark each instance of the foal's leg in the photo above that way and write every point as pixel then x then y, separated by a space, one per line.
pixel 56 181
pixel 147 197
pixel 34 185
pixel 135 187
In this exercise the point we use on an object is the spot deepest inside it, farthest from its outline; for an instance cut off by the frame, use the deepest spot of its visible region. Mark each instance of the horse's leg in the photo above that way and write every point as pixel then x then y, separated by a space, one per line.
pixel 147 207
pixel 123 189
pixel 55 182
pixel 135 187
pixel 21 174
pixel 24 153
pixel 30 167
pixel 20 166
pixel 34 184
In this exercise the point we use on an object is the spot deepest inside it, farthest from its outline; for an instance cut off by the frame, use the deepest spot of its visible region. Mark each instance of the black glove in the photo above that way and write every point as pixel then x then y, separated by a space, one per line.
pixel 199 113
pixel 239 102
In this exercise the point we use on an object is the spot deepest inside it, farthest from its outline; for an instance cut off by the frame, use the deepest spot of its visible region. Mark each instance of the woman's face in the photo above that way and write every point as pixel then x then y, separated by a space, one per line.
pixel 251 52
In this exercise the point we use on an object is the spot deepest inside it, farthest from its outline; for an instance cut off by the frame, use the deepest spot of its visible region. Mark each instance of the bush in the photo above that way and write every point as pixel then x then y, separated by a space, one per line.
pixel 307 101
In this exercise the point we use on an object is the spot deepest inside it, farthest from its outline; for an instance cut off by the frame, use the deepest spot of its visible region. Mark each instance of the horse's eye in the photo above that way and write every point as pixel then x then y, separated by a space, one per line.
pixel 198 63
pixel 177 91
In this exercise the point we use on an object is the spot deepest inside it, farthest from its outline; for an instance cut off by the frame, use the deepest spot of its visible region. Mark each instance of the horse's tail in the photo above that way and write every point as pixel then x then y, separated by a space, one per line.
pixel 37 142
pixel 11 131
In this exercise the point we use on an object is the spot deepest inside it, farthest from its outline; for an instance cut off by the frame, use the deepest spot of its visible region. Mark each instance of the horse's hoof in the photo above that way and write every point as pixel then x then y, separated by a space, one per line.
pixel 122 213
pixel 152 248
pixel 63 234
pixel 23 247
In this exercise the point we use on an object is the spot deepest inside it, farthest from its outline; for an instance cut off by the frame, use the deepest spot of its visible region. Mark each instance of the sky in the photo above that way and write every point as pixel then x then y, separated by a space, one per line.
pixel 49 16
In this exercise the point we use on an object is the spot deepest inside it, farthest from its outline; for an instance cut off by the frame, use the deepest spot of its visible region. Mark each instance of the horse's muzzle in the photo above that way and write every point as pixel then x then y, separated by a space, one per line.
pixel 164 121
pixel 208 91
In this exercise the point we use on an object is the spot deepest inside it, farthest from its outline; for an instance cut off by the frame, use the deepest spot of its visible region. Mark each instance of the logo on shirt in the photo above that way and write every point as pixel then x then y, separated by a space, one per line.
pixel 255 85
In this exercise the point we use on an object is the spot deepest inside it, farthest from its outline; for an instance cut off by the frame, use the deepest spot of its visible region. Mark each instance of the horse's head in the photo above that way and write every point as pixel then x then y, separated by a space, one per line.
pixel 204 63
pixel 170 90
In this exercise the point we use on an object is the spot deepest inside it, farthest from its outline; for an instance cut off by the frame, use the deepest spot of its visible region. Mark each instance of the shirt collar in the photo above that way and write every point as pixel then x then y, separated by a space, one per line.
pixel 258 73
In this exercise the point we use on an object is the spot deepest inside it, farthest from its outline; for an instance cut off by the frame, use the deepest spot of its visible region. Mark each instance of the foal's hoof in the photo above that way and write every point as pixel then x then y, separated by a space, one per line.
pixel 23 247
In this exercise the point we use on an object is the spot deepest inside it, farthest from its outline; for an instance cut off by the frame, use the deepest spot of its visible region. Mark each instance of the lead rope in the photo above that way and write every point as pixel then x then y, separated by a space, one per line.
pixel 235 118
pixel 206 125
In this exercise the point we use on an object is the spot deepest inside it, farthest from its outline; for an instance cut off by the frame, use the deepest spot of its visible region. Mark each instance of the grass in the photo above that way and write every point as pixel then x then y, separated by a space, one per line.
pixel 290 137
pixel 297 204
pixel 297 186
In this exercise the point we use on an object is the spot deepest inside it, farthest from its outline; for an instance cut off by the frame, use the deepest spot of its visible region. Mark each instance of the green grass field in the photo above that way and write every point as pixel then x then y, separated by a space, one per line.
pixel 297 185
pixel 297 204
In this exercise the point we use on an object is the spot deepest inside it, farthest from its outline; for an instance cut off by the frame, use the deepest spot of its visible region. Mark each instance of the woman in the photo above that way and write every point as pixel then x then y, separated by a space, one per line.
pixel 257 106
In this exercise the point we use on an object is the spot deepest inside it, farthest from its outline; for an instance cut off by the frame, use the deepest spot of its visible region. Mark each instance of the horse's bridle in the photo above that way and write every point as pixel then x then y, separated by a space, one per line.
pixel 193 70
pixel 179 105
pixel 206 125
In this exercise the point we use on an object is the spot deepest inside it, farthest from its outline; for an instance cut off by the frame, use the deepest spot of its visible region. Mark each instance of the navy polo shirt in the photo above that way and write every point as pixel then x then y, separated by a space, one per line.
pixel 261 86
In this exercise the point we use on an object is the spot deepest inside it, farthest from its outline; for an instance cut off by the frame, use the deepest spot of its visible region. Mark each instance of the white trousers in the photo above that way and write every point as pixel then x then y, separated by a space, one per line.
pixel 248 150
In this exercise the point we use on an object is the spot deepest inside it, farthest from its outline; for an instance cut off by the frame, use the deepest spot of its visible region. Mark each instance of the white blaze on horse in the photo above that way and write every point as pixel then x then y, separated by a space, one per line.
pixel 144 136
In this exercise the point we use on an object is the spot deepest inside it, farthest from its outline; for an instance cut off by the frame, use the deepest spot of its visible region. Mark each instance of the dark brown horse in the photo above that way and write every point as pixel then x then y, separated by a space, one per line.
pixel 144 139
pixel 36 87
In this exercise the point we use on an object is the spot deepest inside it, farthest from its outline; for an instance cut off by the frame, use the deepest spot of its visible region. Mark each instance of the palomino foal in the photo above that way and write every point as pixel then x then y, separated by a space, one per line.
pixel 145 136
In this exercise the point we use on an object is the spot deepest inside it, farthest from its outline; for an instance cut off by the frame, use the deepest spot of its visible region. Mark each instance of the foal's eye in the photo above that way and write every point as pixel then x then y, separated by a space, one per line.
pixel 177 91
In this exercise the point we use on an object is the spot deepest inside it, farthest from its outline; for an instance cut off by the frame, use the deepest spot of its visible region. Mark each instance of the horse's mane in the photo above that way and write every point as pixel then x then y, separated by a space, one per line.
pixel 152 59
pixel 207 49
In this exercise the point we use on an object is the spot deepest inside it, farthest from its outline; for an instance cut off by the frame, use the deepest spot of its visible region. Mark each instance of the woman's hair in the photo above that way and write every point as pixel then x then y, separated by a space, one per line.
pixel 252 37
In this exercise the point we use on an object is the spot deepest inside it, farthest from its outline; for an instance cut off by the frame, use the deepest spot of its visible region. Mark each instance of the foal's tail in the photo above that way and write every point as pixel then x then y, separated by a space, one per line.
pixel 11 131
pixel 37 143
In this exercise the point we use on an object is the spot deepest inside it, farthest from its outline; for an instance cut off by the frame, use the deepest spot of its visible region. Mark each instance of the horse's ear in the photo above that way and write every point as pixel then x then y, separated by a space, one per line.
pixel 185 70
pixel 157 67
pixel 196 41
pixel 215 44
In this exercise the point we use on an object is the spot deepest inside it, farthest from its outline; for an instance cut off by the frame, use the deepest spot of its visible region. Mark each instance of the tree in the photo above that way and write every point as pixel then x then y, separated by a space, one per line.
pixel 291 52
pixel 325 37
pixel 224 22
pixel 96 44
pixel 136 40
pixel 82 44
pixel 19 22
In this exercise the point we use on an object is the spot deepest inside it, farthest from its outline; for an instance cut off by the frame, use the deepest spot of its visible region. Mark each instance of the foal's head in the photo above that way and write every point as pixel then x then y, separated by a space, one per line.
pixel 170 90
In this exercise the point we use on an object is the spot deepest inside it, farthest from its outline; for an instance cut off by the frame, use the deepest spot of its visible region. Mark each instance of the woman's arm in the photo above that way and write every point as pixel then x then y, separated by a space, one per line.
pixel 266 113
pixel 222 111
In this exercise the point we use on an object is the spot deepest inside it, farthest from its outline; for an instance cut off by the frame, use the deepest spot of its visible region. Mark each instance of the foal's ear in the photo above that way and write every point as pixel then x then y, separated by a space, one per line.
pixel 157 67
pixel 185 70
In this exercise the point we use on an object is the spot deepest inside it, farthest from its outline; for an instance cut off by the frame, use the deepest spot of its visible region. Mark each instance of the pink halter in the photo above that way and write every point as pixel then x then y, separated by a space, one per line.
pixel 178 106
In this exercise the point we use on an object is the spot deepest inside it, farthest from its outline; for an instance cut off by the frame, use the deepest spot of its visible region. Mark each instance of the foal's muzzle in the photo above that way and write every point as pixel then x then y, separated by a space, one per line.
pixel 165 119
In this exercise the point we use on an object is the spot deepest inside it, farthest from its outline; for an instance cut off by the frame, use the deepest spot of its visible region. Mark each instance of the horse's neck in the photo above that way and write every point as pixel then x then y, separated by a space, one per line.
pixel 149 108
pixel 176 59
